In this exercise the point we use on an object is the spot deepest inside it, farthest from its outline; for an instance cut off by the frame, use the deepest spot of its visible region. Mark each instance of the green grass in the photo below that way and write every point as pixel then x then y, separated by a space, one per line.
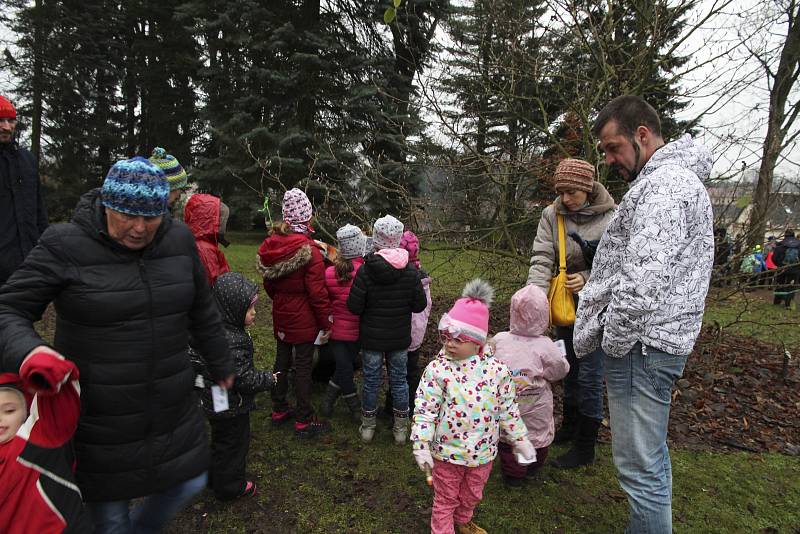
pixel 338 484
pixel 753 315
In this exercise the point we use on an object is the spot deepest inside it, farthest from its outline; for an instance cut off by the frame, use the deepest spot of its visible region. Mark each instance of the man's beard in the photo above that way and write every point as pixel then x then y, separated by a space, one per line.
pixel 630 174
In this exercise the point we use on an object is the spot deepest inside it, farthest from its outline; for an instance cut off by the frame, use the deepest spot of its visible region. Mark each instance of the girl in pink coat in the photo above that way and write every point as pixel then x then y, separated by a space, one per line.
pixel 344 343
pixel 535 362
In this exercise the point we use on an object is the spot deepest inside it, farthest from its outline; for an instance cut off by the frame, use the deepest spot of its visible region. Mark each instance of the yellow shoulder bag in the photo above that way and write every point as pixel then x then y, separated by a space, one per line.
pixel 562 303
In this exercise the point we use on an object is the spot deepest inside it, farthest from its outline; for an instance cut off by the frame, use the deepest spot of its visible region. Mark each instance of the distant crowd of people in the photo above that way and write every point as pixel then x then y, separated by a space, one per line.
pixel 775 265
pixel 103 429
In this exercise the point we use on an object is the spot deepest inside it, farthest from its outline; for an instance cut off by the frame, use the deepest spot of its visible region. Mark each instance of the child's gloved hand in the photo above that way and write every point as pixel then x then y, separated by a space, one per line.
pixel 525 450
pixel 424 459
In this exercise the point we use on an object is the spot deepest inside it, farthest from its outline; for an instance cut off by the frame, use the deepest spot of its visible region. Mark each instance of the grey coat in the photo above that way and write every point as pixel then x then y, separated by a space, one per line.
pixel 589 222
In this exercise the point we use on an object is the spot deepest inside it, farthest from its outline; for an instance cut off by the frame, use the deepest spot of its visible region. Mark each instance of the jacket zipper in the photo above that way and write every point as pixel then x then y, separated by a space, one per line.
pixel 151 364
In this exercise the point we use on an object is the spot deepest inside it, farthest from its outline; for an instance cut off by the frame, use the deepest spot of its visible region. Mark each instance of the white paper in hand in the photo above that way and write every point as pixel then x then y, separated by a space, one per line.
pixel 521 460
pixel 319 340
pixel 220 398
pixel 562 348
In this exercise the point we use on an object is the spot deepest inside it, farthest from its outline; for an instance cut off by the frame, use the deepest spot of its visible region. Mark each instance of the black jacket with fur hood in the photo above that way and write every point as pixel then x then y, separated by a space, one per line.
pixel 386 291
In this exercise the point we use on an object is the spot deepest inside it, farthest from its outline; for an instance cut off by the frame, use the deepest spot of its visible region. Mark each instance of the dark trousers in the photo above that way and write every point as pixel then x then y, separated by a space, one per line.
pixel 230 441
pixel 413 374
pixel 345 354
pixel 583 385
pixel 302 355
pixel 513 469
pixel 788 281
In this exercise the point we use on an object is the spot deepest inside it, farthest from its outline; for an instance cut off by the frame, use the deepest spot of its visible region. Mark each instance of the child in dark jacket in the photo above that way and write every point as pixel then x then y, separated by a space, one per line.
pixel 386 291
pixel 236 298
pixel 294 278
pixel 38 492
pixel 344 339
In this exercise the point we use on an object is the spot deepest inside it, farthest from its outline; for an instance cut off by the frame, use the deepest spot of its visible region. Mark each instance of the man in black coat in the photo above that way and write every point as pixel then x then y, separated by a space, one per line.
pixel 787 258
pixel 22 213
pixel 128 288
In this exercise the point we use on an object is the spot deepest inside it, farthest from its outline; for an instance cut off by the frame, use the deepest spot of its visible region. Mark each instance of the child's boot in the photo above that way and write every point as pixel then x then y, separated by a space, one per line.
pixel 328 401
pixel 470 528
pixel 367 428
pixel 400 427
pixel 354 405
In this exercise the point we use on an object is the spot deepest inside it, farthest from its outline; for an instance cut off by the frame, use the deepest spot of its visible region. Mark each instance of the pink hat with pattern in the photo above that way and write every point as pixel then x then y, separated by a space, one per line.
pixel 410 242
pixel 296 207
pixel 468 319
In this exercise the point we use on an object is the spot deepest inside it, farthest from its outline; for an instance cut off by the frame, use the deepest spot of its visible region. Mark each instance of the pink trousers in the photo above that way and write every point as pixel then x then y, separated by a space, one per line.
pixel 457 490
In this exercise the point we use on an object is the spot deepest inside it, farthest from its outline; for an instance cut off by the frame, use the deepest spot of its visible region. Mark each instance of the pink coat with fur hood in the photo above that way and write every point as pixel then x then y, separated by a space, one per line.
pixel 534 361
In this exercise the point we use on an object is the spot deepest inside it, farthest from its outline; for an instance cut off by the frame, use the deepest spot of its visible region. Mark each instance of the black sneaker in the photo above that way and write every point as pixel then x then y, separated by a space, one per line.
pixel 311 429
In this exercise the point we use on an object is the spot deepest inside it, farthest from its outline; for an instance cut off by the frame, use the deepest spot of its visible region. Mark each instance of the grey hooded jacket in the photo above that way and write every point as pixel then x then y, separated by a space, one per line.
pixel 588 222
pixel 652 268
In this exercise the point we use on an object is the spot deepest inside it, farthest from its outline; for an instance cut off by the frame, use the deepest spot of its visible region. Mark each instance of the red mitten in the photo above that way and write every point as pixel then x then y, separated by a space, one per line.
pixel 45 372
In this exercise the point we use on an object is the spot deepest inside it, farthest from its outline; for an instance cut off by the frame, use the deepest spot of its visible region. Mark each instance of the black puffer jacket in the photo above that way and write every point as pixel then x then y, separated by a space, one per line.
pixel 19 173
pixel 234 293
pixel 385 296
pixel 124 317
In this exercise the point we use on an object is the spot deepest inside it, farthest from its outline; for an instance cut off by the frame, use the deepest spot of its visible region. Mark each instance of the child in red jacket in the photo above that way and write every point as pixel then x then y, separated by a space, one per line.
pixel 344 338
pixel 38 493
pixel 294 278
pixel 206 216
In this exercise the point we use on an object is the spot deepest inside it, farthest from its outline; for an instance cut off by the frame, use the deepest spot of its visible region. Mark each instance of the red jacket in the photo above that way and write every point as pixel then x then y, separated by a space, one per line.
pixel 294 277
pixel 202 217
pixel 38 492
pixel 345 322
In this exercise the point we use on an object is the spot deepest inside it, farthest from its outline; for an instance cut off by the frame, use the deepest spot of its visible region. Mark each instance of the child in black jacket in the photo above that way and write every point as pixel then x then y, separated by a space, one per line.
pixel 385 292
pixel 236 298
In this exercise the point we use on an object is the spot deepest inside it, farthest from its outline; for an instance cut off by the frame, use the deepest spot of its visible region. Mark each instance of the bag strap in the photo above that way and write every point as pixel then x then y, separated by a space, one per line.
pixel 562 244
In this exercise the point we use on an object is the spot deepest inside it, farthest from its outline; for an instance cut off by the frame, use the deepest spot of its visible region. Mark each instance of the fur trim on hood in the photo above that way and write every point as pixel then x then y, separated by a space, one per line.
pixel 282 268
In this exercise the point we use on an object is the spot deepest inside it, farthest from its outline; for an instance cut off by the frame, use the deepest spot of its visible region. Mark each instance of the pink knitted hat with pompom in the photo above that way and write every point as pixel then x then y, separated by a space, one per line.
pixel 468 319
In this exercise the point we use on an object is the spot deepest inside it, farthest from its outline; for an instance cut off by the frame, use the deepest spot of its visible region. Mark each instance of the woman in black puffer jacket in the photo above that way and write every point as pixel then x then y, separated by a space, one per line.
pixel 128 288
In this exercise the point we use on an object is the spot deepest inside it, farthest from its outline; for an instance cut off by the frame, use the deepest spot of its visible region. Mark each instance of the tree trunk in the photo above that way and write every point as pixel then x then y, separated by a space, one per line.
pixel 777 126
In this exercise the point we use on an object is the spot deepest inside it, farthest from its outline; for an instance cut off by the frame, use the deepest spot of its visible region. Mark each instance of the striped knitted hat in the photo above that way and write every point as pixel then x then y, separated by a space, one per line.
pixel 136 187
pixel 176 175
pixel 7 110
pixel 574 174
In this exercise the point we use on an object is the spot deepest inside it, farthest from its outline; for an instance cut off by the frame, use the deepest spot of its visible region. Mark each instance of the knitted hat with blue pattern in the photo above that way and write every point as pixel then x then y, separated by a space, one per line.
pixel 176 175
pixel 136 187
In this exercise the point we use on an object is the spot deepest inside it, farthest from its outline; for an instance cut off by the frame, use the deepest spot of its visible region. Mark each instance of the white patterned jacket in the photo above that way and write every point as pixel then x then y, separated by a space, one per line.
pixel 652 268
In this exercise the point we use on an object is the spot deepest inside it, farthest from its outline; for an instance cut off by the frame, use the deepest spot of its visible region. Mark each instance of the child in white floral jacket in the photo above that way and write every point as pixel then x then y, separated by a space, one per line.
pixel 464 402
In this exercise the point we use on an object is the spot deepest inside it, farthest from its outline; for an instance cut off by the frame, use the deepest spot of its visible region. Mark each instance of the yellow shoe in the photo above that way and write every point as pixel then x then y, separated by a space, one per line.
pixel 470 528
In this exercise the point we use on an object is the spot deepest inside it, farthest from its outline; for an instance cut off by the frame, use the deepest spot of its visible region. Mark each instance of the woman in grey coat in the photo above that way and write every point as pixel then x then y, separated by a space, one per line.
pixel 587 208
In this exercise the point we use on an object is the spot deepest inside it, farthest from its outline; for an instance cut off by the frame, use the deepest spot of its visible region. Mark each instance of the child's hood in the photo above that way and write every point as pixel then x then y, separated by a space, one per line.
pixel 202 216
pixel 277 248
pixel 386 266
pixel 234 293
pixel 530 312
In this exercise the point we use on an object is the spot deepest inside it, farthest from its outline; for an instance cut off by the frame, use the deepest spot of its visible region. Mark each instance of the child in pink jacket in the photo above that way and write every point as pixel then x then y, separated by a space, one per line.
pixel 535 361
pixel 344 342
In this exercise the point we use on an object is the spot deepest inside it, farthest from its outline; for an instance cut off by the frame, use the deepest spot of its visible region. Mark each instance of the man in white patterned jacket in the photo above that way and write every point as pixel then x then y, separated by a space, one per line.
pixel 645 298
